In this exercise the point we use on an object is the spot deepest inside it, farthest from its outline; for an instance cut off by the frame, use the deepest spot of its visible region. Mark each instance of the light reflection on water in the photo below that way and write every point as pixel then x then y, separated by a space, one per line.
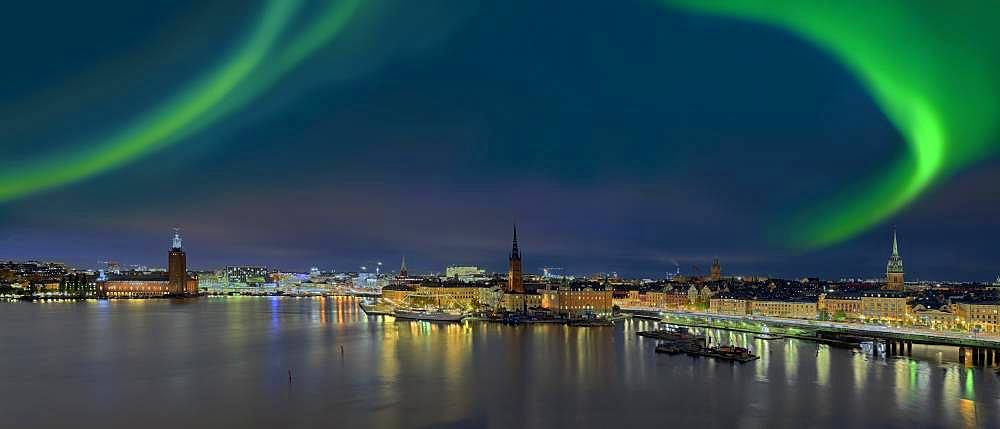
pixel 224 362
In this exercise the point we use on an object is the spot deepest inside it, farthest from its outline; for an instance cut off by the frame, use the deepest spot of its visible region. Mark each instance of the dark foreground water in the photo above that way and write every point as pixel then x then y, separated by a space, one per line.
pixel 224 362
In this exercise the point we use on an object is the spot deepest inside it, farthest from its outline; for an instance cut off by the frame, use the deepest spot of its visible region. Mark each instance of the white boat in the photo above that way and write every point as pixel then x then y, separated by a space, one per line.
pixel 437 315
pixel 375 308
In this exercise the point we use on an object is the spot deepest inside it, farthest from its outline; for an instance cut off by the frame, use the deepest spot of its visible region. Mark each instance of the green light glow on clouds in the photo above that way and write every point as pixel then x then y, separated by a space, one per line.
pixel 931 66
pixel 268 53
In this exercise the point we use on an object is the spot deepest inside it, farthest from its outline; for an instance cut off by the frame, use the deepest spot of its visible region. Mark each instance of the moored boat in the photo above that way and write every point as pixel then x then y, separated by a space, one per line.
pixel 434 315
pixel 374 308
pixel 768 337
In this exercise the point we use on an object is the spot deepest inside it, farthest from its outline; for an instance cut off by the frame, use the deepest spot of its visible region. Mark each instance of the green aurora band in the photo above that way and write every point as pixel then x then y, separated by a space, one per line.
pixel 931 66
pixel 270 51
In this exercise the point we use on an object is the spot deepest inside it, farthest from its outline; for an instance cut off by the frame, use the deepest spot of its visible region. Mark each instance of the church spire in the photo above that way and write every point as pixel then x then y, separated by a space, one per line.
pixel 895 246
pixel 894 268
pixel 514 253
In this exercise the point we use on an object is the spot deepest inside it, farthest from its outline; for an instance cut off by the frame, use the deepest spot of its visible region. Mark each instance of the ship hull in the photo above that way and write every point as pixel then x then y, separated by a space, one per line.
pixel 428 316
pixel 375 310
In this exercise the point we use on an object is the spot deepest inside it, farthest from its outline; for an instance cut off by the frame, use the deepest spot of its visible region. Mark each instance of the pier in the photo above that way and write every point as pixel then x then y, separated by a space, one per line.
pixel 978 350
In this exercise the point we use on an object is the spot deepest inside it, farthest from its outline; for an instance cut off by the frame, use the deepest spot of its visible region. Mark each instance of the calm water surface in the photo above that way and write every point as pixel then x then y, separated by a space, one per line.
pixel 224 362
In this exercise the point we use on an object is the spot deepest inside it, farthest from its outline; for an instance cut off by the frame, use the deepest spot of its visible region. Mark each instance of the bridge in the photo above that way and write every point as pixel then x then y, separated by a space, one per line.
pixel 976 348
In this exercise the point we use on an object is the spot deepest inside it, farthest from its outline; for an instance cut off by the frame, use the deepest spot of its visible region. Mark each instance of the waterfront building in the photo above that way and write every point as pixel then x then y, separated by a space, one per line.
pixel 150 284
pixel 716 272
pixel 577 302
pixel 521 301
pixel 894 268
pixel 397 292
pixel 785 309
pixel 885 306
pixel 653 298
pixel 935 319
pixel 78 284
pixel 675 300
pixel 727 305
pixel 460 294
pixel 128 285
pixel 489 295
pixel 981 316
pixel 840 307
pixel 515 279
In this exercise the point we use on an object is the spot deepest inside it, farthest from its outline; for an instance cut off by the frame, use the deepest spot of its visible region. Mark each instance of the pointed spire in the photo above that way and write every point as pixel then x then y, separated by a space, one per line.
pixel 514 253
pixel 402 267
pixel 895 245
pixel 895 264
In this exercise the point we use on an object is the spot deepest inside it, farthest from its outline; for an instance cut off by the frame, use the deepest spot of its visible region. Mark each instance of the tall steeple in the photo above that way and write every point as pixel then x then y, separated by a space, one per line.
pixel 895 244
pixel 402 268
pixel 894 268
pixel 515 278
pixel 514 253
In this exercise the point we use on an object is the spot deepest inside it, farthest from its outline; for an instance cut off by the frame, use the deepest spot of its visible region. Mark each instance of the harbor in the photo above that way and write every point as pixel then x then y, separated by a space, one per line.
pixel 346 362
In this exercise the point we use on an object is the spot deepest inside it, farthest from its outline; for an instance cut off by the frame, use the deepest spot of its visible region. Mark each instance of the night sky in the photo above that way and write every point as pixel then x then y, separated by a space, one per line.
pixel 620 136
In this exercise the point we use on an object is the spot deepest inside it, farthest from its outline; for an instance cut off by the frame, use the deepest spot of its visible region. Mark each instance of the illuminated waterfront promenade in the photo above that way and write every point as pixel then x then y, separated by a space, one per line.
pixel 756 324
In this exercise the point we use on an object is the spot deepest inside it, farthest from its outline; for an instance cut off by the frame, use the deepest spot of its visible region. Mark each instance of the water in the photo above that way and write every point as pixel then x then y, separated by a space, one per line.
pixel 224 362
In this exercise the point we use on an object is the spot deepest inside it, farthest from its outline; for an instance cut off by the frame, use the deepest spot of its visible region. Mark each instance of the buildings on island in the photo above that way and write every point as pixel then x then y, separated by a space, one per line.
pixel 890 302
pixel 176 281
pixel 469 288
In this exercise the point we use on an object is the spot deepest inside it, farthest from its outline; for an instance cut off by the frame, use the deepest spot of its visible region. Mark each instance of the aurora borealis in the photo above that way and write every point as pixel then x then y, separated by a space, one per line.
pixel 248 71
pixel 931 66
pixel 683 129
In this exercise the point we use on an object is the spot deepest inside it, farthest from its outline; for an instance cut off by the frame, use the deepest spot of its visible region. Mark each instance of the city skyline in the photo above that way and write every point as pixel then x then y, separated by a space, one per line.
pixel 712 272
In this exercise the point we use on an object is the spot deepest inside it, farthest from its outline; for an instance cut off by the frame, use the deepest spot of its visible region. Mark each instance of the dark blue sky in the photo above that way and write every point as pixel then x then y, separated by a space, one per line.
pixel 620 136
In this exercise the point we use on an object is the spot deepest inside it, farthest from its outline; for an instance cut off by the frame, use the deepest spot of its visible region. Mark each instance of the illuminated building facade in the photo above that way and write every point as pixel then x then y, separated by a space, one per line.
pixel 785 309
pixel 397 293
pixel 135 287
pixel 981 316
pixel 139 284
pixel 885 306
pixel 934 319
pixel 729 306
pixel 465 273
pixel 249 275
pixel 521 301
pixel 576 303
pixel 841 307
